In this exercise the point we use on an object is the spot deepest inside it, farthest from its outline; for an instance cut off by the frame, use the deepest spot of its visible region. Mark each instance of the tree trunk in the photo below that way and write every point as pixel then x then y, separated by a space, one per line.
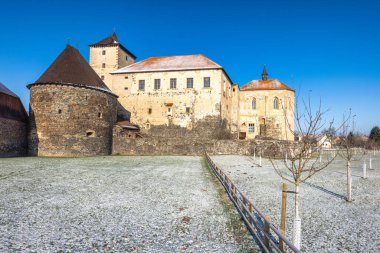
pixel 349 182
pixel 297 219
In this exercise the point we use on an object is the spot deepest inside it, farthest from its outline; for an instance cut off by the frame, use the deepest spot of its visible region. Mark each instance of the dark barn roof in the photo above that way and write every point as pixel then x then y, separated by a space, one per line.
pixel 11 106
pixel 5 90
pixel 70 68
pixel 112 41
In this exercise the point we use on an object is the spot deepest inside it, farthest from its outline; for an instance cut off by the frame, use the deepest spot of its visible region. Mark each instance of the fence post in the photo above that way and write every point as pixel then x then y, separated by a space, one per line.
pixel 250 213
pixel 260 160
pixel 370 163
pixel 266 232
pixel 283 215
pixel 364 170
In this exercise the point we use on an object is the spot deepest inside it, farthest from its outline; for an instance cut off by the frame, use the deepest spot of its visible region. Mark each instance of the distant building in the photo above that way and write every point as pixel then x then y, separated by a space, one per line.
pixel 13 124
pixel 186 90
pixel 72 112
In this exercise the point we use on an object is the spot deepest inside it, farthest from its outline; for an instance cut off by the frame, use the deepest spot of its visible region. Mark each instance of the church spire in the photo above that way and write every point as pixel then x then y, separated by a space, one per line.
pixel 264 75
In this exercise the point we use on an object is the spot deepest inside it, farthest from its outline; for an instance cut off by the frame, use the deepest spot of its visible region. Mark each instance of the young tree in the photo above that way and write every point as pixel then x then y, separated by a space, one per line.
pixel 347 149
pixel 374 136
pixel 302 157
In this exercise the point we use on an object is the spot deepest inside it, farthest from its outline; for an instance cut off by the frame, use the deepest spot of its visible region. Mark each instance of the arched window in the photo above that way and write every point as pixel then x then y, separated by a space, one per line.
pixel 254 104
pixel 275 103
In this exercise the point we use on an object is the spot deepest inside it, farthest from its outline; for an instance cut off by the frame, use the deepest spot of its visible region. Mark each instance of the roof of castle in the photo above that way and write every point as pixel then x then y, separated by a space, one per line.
pixel 269 84
pixel 111 41
pixel 5 90
pixel 170 63
pixel 70 68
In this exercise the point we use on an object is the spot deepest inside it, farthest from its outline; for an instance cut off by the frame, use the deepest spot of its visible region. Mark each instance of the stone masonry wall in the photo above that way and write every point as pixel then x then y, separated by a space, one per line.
pixel 70 121
pixel 13 140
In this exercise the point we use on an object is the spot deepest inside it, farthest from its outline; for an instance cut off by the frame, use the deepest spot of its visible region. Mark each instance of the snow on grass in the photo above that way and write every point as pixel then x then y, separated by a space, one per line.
pixel 329 223
pixel 124 204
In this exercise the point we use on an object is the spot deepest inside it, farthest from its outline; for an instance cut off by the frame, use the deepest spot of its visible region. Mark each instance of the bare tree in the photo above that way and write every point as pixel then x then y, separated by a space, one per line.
pixel 302 158
pixel 348 151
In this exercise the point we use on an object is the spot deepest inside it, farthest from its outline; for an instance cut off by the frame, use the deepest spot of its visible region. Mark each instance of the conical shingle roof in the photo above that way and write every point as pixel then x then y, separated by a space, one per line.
pixel 72 69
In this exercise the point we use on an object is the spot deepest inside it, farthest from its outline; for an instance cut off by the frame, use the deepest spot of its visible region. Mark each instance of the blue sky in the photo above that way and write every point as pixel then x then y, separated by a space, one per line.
pixel 330 49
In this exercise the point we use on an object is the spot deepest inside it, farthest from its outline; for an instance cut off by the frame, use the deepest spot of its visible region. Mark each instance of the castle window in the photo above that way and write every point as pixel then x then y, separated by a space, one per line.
pixel 102 77
pixel 188 110
pixel 90 133
pixel 190 83
pixel 233 89
pixel 125 88
pixel 206 82
pixel 173 83
pixel 126 57
pixel 103 65
pixel 251 127
pixel 170 111
pixel 157 84
pixel 59 111
pixel 275 103
pixel 150 111
pixel 141 84
pixel 254 104
pixel 100 115
pixel 104 52
pixel 126 77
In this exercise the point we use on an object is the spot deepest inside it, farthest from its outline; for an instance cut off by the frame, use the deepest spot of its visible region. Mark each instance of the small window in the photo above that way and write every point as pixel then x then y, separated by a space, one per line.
pixel 188 110
pixel 126 57
pixel 125 88
pixel 190 83
pixel 206 82
pixel 102 77
pixel 141 84
pixel 157 84
pixel 150 111
pixel 251 127
pixel 59 111
pixel 173 83
pixel 100 115
pixel 90 133
pixel 126 77
pixel 103 65
pixel 254 104
pixel 170 111
pixel 233 89
pixel 104 52
pixel 275 103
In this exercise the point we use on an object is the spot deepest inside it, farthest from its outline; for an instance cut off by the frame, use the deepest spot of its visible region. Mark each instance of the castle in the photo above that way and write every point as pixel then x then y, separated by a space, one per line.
pixel 185 89
pixel 81 109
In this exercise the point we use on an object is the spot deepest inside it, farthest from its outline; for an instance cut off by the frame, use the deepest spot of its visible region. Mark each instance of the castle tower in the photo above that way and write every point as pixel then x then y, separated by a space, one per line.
pixel 109 55
pixel 72 112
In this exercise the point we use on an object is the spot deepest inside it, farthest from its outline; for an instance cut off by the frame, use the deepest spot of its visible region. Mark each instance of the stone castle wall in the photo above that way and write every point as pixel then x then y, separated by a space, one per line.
pixel 13 141
pixel 179 106
pixel 70 121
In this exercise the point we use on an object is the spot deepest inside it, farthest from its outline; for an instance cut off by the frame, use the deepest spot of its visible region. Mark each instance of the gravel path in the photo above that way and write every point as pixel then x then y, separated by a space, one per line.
pixel 116 204
pixel 329 223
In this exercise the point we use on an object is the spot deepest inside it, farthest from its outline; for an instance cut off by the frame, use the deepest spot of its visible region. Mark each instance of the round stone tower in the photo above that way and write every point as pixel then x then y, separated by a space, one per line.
pixel 72 112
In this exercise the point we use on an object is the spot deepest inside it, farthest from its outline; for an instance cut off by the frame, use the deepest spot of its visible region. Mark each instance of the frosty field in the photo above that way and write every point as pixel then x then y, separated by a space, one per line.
pixel 117 204
pixel 329 223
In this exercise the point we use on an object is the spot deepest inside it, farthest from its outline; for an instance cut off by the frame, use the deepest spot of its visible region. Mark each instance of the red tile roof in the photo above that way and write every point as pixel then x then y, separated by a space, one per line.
pixel 270 84
pixel 171 63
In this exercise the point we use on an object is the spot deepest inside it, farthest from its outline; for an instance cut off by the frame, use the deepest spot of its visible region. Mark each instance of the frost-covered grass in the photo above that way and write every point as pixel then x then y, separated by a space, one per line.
pixel 329 223
pixel 116 204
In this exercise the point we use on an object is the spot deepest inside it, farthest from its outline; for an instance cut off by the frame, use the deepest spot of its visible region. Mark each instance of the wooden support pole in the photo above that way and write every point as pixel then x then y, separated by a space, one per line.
pixel 283 215
pixel 266 232
pixel 250 212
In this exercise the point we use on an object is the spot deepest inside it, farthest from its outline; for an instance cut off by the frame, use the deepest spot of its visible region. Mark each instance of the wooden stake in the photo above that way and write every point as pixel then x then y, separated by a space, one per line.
pixel 266 232
pixel 283 214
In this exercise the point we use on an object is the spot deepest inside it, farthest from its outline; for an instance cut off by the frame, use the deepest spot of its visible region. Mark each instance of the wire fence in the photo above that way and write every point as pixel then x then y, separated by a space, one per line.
pixel 269 238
